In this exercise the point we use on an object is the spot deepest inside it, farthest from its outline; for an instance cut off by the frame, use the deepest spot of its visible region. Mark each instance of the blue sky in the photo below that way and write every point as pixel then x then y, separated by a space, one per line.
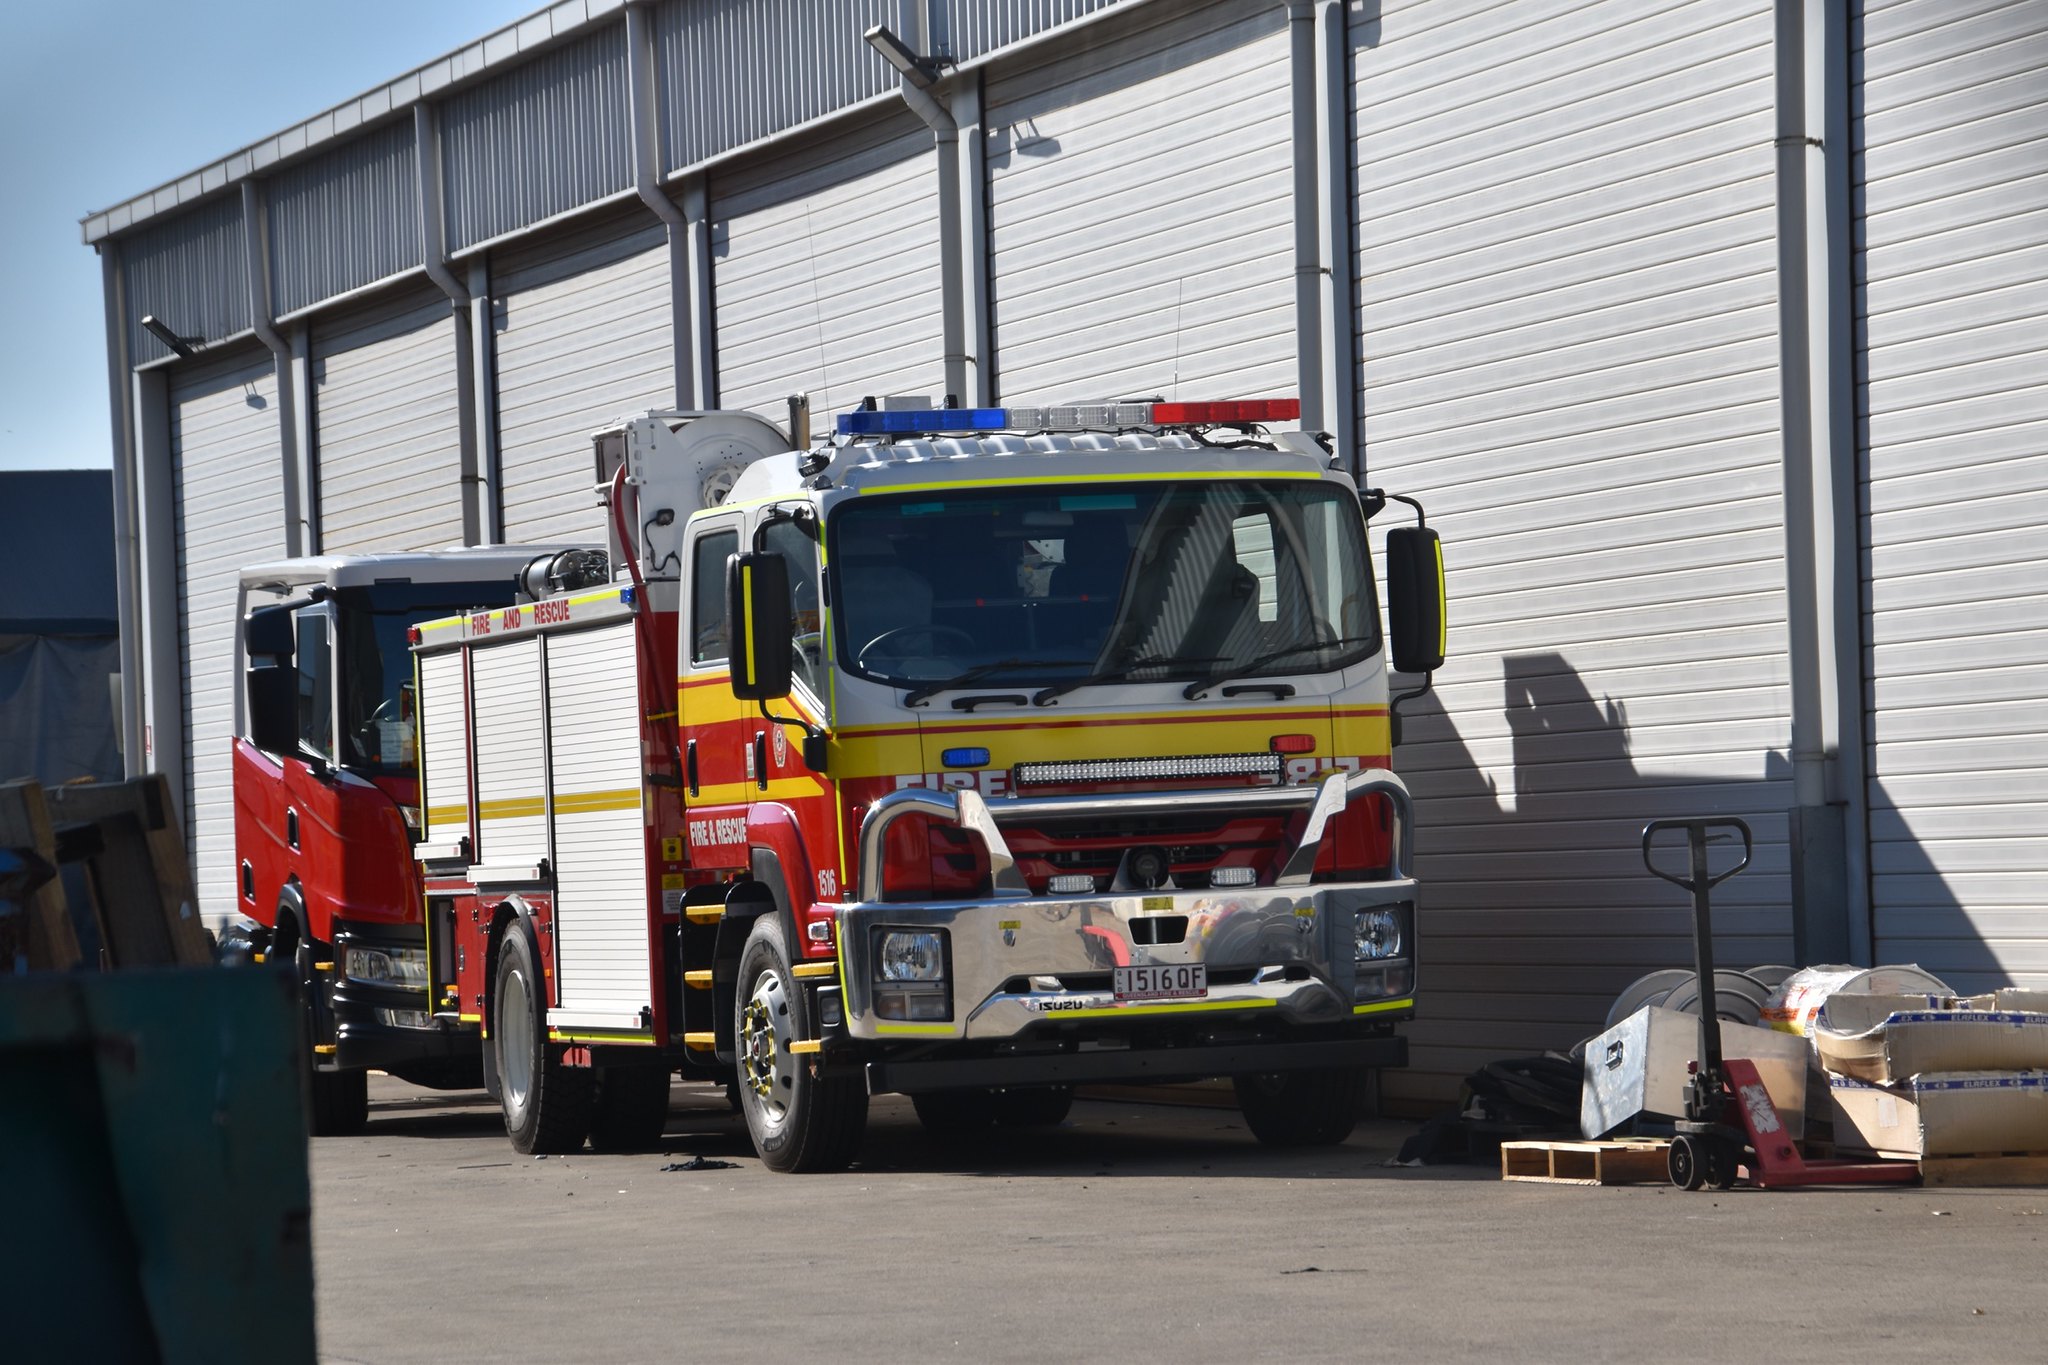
pixel 104 99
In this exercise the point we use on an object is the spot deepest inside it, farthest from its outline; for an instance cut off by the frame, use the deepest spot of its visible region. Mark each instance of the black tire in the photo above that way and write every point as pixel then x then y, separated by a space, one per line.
pixel 1723 1159
pixel 799 1121
pixel 955 1113
pixel 631 1110
pixel 1302 1108
pixel 1040 1106
pixel 547 1104
pixel 337 1102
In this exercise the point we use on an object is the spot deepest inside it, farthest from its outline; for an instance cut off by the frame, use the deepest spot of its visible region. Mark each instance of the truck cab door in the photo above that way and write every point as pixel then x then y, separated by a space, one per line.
pixel 710 718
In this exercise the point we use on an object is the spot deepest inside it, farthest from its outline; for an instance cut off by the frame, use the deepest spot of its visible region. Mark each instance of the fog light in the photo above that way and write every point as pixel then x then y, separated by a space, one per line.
pixel 1233 876
pixel 387 966
pixel 911 955
pixel 914 1005
pixel 1071 884
pixel 1378 934
pixel 404 1019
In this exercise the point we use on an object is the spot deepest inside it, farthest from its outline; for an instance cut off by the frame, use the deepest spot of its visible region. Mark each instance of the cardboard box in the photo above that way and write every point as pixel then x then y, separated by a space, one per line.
pixel 1885 1039
pixel 1943 1114
pixel 1638 1069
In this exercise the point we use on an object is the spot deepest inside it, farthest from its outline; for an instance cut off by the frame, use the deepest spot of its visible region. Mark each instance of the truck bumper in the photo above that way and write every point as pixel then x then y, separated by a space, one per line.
pixel 1023 969
pixel 391 1026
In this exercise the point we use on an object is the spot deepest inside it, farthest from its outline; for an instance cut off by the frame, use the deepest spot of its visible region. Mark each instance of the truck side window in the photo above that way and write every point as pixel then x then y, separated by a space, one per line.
pixel 788 539
pixel 709 639
pixel 316 691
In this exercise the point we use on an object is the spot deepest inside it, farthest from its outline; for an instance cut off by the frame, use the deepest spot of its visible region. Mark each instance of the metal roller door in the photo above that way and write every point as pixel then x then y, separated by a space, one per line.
pixel 1140 195
pixel 1569 338
pixel 444 749
pixel 387 426
pixel 825 263
pixel 228 500
pixel 1952 183
pixel 584 333
pixel 511 754
pixel 601 948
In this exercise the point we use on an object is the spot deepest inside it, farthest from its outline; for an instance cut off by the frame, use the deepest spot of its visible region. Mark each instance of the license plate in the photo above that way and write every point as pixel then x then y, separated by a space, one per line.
pixel 1181 981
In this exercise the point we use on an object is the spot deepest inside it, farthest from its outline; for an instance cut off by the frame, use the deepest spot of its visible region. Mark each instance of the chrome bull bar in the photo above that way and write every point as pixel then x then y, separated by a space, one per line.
pixel 1325 799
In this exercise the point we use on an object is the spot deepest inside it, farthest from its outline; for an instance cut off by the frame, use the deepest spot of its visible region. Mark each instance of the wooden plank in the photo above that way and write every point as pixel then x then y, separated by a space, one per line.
pixel 39 936
pixel 2002 1169
pixel 141 882
pixel 1619 1162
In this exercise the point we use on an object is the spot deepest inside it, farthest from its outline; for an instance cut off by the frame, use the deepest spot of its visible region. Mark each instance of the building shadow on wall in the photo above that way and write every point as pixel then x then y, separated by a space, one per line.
pixel 1537 909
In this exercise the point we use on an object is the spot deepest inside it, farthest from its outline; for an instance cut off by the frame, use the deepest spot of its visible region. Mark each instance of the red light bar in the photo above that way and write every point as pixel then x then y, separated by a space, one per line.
pixel 1199 414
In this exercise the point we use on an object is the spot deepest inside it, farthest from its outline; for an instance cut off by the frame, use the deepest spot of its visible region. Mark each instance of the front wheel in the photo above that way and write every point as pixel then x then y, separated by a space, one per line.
pixel 547 1104
pixel 799 1120
pixel 1302 1108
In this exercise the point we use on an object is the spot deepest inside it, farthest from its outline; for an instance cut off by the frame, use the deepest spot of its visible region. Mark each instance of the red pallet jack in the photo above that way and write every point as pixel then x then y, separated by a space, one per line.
pixel 1730 1121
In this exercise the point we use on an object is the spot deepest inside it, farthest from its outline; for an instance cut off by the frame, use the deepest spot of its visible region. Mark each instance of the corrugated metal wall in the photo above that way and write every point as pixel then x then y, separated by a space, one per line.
pixel 974 28
pixel 1952 255
pixel 736 71
pixel 387 424
pixel 1568 330
pixel 228 502
pixel 539 140
pixel 584 333
pixel 191 272
pixel 345 219
pixel 1140 210
pixel 825 265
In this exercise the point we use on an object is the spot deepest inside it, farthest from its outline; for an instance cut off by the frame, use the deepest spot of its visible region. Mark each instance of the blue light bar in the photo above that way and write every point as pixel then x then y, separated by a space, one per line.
pixel 913 422
pixel 965 758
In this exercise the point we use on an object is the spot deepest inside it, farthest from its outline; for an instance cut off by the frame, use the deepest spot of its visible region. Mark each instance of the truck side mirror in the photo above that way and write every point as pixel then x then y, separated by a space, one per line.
pixel 758 611
pixel 274 708
pixel 268 631
pixel 1415 598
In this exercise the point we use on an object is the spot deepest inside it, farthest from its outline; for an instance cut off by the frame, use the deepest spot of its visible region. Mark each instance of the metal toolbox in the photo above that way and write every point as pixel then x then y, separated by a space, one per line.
pixel 1639 1069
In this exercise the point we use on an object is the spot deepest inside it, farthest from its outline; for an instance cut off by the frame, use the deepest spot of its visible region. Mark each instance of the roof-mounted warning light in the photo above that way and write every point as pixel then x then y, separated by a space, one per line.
pixel 1066 417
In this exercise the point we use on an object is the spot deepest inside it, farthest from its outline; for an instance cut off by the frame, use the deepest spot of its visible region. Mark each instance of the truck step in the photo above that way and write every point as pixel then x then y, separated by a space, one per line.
pixel 698 978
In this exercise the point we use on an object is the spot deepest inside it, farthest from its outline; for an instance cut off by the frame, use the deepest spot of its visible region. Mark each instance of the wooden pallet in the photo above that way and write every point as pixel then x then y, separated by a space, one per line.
pixel 2003 1168
pixel 1620 1161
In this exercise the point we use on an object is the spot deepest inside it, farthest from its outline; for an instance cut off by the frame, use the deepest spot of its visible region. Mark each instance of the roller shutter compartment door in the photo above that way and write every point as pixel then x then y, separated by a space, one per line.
pixel 584 334
pixel 825 262
pixel 228 500
pixel 387 423
pixel 601 893
pixel 1140 192
pixel 1568 333
pixel 1951 170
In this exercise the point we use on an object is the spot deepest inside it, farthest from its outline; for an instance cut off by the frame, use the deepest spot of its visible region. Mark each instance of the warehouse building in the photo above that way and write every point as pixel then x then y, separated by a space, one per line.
pixel 1709 331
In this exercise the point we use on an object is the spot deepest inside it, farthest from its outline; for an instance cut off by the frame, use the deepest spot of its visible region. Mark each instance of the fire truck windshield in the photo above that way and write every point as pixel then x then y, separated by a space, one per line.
pixel 1143 582
pixel 377 711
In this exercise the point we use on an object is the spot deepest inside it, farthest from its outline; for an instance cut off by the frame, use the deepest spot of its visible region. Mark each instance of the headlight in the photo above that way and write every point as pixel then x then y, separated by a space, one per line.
pixel 911 955
pixel 388 966
pixel 1378 934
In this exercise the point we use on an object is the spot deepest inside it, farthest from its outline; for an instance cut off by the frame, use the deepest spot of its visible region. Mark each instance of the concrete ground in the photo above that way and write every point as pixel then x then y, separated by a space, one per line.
pixel 1133 1232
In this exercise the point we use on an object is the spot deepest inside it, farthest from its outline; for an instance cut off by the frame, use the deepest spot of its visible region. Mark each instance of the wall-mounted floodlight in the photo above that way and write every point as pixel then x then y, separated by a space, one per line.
pixel 923 72
pixel 185 347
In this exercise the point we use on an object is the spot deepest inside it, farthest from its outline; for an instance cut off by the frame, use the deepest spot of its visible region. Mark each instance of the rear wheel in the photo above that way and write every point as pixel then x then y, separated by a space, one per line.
pixel 799 1120
pixel 1301 1108
pixel 631 1109
pixel 547 1104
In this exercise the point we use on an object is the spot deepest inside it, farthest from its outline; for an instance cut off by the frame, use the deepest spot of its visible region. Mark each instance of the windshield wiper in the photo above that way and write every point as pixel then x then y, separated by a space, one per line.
pixel 926 691
pixel 1224 675
pixel 1117 673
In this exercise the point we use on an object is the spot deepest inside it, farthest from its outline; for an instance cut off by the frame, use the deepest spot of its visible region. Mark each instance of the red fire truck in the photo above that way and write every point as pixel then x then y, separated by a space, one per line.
pixel 327 806
pixel 967 754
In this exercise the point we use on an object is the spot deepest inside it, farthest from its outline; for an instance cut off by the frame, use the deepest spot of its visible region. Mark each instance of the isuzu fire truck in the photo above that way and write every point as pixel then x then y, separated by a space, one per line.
pixel 327 807
pixel 969 754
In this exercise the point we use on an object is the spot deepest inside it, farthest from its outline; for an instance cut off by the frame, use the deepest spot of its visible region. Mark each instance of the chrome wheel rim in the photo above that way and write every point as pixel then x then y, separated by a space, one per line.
pixel 767 1067
pixel 515 1038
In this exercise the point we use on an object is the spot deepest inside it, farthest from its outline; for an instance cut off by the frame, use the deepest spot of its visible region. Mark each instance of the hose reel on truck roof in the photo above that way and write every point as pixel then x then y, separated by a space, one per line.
pixel 677 464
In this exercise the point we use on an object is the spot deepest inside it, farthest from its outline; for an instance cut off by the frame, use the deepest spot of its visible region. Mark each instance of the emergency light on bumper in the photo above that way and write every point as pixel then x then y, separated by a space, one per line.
pixel 1067 417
